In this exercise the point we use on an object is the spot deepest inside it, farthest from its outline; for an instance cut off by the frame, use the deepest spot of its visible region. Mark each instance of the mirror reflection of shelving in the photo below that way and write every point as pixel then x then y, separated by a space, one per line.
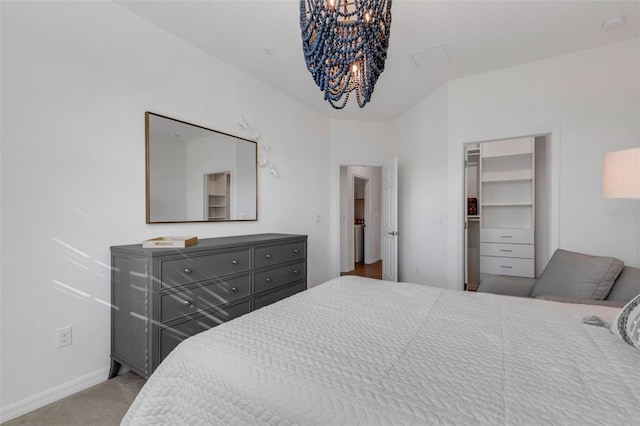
pixel 218 196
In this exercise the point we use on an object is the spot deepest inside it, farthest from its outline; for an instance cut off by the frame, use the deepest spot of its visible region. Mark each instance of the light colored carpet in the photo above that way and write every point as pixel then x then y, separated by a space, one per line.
pixel 101 405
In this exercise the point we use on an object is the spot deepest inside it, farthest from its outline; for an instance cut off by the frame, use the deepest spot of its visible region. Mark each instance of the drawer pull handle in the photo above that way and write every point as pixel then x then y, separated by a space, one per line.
pixel 268 256
pixel 506 251
pixel 234 289
pixel 506 267
pixel 187 303
pixel 295 251
pixel 235 262
pixel 506 236
pixel 295 272
pixel 268 280
pixel 187 270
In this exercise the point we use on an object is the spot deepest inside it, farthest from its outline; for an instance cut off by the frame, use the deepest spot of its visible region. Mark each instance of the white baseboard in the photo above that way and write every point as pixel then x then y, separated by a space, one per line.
pixel 52 395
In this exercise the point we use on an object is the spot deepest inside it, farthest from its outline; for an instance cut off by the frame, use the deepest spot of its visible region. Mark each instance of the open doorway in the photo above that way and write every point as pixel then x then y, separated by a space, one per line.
pixel 507 208
pixel 360 221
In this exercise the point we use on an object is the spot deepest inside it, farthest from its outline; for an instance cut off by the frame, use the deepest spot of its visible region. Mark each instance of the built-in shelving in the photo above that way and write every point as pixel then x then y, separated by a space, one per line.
pixel 507 207
pixel 218 196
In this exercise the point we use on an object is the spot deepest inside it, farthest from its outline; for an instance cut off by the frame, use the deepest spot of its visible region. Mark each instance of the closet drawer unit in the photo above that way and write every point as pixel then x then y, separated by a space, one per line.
pixel 273 297
pixel 189 302
pixel 170 337
pixel 507 250
pixel 504 235
pixel 507 266
pixel 273 278
pixel 272 255
pixel 198 268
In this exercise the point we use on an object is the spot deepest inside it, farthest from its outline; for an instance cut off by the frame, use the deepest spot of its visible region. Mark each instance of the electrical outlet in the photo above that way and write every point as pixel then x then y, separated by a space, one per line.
pixel 63 336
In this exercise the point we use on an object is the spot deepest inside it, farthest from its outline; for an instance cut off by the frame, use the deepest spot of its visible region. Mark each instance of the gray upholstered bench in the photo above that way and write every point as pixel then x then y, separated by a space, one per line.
pixel 572 278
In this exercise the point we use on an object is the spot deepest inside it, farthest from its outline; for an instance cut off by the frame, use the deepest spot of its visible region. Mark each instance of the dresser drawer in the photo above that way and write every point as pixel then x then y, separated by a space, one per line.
pixel 507 266
pixel 507 250
pixel 270 298
pixel 273 278
pixel 499 235
pixel 272 255
pixel 198 268
pixel 170 337
pixel 188 302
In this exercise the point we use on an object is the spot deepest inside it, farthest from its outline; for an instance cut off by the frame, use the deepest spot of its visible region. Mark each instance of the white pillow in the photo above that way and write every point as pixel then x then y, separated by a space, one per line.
pixel 627 323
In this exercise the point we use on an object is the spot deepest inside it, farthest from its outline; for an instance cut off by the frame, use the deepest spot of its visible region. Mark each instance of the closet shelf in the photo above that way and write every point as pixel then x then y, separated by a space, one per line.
pixel 507 204
pixel 506 156
pixel 506 180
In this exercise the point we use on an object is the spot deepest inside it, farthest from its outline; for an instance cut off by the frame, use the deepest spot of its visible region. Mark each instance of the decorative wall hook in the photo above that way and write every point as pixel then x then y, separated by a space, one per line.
pixel 264 160
pixel 254 134
pixel 264 157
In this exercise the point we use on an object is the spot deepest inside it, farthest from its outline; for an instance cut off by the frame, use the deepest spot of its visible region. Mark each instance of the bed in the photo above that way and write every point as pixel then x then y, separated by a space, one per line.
pixel 356 351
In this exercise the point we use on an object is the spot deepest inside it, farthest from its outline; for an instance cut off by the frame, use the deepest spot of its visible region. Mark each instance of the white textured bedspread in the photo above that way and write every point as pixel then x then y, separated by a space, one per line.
pixel 355 351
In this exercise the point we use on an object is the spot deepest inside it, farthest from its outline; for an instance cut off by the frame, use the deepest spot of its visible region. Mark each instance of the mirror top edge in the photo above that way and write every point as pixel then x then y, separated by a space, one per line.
pixel 150 114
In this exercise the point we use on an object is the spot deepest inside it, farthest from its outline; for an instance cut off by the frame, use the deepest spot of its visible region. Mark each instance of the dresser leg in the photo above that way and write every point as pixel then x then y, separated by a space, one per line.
pixel 113 371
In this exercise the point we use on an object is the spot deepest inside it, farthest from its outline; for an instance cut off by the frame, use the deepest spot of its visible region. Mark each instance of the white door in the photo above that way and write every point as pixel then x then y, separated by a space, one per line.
pixel 390 220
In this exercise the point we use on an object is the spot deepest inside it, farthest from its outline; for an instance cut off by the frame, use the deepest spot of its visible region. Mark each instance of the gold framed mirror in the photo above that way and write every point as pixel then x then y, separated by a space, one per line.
pixel 197 174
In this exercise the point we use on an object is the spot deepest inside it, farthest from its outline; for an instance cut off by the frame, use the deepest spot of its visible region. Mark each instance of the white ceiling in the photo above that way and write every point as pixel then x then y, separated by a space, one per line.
pixel 478 36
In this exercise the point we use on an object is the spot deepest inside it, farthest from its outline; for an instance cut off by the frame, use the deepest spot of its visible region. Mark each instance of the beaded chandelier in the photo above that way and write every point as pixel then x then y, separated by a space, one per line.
pixel 345 45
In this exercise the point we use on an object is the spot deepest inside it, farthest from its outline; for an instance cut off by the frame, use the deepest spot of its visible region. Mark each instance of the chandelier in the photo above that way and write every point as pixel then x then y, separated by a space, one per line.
pixel 345 45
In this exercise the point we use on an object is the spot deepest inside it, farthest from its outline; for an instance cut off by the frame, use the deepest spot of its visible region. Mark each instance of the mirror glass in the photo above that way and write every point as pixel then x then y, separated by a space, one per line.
pixel 195 174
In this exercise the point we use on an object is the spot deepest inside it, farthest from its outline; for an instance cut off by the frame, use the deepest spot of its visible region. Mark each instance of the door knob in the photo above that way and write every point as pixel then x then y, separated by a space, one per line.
pixel 394 233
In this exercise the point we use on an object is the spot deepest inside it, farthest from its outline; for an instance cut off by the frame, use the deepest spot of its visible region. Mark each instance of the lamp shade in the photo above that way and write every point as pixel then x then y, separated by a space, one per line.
pixel 621 177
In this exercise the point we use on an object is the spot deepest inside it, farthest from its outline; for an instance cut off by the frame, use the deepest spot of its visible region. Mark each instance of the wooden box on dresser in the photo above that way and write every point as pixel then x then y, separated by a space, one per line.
pixel 161 296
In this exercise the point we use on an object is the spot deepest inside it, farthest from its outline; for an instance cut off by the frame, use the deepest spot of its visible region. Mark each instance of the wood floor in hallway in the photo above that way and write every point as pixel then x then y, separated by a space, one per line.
pixel 372 270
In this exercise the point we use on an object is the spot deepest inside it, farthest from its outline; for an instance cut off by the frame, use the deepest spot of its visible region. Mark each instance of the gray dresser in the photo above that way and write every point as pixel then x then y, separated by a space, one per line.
pixel 162 296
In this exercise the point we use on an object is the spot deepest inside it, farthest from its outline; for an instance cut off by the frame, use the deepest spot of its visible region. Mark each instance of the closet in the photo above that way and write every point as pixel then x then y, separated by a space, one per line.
pixel 472 218
pixel 500 210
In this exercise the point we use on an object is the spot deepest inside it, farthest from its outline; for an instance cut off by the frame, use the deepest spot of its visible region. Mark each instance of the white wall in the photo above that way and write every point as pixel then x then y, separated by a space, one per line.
pixel 244 183
pixel 356 143
pixel 168 199
pixel 592 99
pixel 76 80
pixel 422 190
